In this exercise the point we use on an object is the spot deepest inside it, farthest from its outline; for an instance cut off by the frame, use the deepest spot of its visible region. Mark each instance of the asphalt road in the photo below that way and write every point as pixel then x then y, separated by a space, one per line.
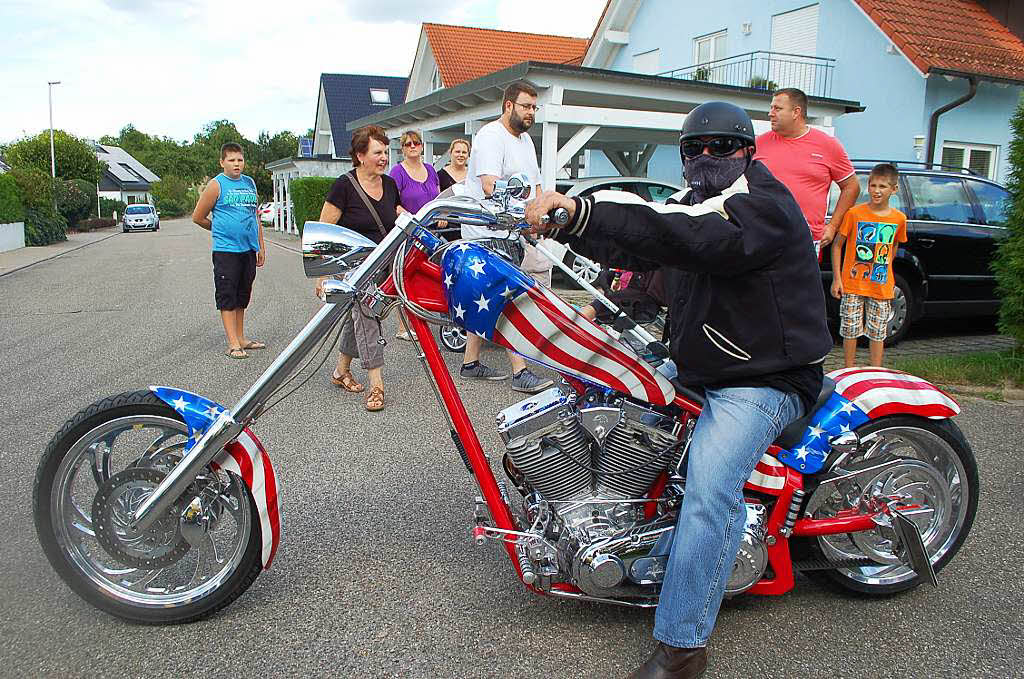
pixel 377 575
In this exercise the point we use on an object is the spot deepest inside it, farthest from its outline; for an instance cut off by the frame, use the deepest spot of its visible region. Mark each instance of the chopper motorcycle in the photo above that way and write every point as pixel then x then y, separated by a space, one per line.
pixel 160 506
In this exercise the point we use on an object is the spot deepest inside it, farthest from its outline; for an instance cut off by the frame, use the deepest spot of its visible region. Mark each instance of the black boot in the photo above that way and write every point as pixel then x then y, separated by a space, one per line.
pixel 669 662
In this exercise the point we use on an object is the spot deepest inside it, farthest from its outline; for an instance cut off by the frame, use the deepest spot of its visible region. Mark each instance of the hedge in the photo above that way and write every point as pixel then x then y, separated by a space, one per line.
pixel 74 199
pixel 94 223
pixel 44 226
pixel 35 188
pixel 308 194
pixel 1009 262
pixel 109 206
pixel 11 209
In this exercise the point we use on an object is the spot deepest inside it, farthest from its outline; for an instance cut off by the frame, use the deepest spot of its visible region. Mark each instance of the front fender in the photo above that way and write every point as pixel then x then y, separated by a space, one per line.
pixel 245 456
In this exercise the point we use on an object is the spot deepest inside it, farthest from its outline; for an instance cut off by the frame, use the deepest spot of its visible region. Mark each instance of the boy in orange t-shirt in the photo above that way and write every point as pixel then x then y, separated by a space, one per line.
pixel 863 279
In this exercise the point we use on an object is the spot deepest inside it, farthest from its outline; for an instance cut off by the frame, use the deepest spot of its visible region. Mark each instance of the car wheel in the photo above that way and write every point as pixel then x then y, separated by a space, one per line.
pixel 584 268
pixel 904 302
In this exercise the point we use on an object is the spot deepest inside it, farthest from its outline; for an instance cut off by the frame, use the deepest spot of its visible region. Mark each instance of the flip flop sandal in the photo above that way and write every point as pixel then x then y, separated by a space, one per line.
pixel 375 399
pixel 347 382
pixel 238 353
pixel 255 344
pixel 407 336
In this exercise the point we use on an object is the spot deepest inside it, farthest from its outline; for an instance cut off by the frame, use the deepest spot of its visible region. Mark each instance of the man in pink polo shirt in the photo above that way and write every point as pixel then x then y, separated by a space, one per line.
pixel 807 161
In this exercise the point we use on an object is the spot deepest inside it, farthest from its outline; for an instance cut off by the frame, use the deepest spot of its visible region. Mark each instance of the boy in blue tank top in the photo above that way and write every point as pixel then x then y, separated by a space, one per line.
pixel 238 247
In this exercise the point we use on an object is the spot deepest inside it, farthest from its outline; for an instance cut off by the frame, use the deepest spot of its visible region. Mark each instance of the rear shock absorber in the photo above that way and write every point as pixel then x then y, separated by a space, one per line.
pixel 791 515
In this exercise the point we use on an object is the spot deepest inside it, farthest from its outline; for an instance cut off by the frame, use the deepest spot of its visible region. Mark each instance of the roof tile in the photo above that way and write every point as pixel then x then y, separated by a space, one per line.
pixel 348 98
pixel 954 35
pixel 463 53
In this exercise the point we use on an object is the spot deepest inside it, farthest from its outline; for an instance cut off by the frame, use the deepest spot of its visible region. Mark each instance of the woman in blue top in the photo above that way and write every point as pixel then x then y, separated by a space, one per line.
pixel 238 247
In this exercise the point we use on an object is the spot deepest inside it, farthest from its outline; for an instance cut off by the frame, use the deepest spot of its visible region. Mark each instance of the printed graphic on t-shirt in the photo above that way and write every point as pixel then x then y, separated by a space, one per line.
pixel 241 197
pixel 872 250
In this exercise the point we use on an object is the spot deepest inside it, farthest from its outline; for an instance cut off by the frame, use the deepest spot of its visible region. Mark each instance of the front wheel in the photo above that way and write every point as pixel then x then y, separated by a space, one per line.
pixel 96 471
pixel 939 477
pixel 453 338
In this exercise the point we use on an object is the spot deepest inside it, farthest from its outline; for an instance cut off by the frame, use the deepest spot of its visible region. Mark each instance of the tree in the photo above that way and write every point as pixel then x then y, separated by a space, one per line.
pixel 76 159
pixel 1009 263
pixel 170 195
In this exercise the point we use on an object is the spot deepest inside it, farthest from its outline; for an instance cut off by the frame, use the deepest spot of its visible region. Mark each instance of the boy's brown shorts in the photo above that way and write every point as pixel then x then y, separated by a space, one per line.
pixel 861 315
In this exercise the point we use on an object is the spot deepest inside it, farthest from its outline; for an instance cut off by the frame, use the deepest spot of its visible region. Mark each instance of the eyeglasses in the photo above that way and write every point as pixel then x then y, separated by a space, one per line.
pixel 528 107
pixel 412 144
pixel 718 146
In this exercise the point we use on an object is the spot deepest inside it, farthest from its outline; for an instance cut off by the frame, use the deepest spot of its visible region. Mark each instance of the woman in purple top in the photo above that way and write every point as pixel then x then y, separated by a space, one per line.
pixel 417 181
pixel 417 185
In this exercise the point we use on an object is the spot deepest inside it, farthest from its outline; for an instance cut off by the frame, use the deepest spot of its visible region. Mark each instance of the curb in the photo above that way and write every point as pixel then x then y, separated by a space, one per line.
pixel 1006 393
pixel 283 246
pixel 59 254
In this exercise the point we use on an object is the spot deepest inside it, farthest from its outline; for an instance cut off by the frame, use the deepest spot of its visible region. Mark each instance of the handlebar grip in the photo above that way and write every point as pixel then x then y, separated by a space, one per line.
pixel 559 216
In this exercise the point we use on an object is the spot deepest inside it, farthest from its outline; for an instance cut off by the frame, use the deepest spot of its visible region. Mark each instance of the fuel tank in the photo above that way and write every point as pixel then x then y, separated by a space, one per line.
pixel 489 296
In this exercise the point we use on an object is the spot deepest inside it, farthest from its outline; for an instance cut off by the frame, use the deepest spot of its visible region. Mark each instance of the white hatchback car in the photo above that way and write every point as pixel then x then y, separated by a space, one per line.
pixel 648 189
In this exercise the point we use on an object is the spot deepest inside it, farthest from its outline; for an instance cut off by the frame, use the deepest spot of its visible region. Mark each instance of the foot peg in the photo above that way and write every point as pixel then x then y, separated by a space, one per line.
pixel 915 553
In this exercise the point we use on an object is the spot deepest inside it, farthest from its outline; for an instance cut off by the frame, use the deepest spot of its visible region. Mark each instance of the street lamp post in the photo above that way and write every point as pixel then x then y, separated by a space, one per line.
pixel 53 157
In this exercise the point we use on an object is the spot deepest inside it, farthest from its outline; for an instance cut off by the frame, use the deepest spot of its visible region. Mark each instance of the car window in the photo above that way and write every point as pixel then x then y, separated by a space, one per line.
pixel 661 193
pixel 138 210
pixel 939 199
pixel 617 186
pixel 895 202
pixel 994 201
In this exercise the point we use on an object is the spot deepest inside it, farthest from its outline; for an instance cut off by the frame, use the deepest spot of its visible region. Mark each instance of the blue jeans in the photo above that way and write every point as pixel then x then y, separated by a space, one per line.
pixel 734 429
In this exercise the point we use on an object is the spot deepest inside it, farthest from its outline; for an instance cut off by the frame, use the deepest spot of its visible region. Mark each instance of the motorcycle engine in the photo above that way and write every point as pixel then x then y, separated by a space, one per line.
pixel 584 470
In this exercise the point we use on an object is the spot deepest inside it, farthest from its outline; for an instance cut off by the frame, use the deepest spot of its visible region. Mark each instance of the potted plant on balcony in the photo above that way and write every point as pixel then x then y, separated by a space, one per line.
pixel 759 82
pixel 702 73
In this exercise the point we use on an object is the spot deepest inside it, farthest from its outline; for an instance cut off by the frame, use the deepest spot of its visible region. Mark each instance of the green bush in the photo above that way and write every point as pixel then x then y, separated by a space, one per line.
pixel 35 188
pixel 11 209
pixel 1009 262
pixel 44 226
pixel 75 158
pixel 759 82
pixel 308 194
pixel 90 224
pixel 74 200
pixel 108 206
pixel 170 195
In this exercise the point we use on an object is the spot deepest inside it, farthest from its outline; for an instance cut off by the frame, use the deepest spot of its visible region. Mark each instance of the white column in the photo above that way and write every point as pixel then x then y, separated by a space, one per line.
pixel 273 177
pixel 291 212
pixel 548 155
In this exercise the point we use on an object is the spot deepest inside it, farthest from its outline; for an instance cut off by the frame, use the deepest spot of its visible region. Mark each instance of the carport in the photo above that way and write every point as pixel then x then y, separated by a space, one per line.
pixel 625 116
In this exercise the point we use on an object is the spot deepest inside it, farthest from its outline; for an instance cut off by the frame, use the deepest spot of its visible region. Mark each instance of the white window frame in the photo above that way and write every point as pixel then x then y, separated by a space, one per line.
pixel 380 96
pixel 435 80
pixel 710 38
pixel 967 148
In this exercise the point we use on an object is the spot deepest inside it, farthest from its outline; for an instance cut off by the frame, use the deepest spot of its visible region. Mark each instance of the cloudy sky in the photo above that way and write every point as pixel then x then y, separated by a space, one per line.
pixel 170 66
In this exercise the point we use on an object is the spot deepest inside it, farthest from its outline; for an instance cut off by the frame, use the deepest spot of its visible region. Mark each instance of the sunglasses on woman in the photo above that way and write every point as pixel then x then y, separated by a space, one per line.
pixel 720 147
pixel 412 144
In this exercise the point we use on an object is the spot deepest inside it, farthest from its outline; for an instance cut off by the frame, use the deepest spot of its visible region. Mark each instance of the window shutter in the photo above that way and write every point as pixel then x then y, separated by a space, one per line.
pixel 796 32
pixel 952 157
pixel 980 162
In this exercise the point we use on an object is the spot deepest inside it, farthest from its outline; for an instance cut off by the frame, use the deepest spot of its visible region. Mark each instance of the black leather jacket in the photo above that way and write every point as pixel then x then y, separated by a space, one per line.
pixel 750 301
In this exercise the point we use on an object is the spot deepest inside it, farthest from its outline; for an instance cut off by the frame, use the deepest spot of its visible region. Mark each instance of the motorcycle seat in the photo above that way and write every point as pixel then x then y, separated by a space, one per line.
pixel 794 431
pixel 791 435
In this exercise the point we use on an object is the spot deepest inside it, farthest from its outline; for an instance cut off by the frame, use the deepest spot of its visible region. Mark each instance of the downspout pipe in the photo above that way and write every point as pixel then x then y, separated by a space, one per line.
pixel 933 121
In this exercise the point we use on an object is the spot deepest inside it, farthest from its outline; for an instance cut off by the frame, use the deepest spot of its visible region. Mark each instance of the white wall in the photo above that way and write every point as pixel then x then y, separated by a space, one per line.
pixel 12 236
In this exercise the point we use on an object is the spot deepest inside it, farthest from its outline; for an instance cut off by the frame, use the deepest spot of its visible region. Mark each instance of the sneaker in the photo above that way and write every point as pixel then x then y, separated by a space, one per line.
pixel 529 383
pixel 482 372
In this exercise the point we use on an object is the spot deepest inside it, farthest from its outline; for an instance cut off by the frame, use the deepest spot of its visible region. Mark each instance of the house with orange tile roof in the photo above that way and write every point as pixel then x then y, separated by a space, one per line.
pixel 587 116
pixel 938 80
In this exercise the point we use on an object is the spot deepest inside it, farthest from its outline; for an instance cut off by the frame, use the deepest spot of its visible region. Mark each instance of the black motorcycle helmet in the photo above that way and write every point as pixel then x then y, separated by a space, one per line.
pixel 718 119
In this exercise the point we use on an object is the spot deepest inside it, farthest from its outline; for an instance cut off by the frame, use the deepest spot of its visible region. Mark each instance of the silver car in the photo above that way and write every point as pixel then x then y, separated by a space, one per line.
pixel 647 189
pixel 140 217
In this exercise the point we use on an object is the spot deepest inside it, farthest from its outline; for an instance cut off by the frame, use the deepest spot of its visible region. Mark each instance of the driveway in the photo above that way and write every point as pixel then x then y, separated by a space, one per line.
pixel 377 575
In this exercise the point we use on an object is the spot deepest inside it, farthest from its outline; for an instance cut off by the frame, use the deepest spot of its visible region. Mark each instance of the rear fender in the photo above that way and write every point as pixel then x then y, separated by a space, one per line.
pixel 245 456
pixel 861 395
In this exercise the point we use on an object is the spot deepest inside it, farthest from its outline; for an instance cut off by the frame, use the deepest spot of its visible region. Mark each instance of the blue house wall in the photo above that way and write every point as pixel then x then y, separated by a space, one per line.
pixel 898 99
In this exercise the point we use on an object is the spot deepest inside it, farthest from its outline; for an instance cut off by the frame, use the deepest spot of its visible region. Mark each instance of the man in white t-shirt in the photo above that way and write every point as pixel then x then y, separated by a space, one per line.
pixel 501 148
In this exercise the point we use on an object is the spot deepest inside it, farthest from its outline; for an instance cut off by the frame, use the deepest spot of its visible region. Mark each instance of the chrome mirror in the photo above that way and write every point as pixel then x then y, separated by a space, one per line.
pixel 332 250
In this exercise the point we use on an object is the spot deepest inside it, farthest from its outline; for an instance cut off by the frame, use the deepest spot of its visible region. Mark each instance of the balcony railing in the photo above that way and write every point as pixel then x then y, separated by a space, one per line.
pixel 766 71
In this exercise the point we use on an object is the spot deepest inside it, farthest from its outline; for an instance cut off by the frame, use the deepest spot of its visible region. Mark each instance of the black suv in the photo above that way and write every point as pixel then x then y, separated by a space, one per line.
pixel 954 222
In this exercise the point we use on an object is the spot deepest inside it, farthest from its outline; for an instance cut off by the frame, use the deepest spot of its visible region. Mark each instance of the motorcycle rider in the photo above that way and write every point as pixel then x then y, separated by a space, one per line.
pixel 748 326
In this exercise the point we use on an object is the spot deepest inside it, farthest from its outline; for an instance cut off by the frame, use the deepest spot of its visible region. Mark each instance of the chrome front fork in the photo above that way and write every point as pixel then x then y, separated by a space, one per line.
pixel 229 425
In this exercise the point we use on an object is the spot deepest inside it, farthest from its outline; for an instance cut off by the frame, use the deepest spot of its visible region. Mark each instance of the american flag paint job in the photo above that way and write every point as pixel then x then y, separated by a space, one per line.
pixel 769 475
pixel 488 296
pixel 245 456
pixel 881 391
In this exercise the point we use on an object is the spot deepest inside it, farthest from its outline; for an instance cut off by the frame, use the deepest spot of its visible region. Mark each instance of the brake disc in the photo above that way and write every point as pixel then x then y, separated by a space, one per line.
pixel 116 501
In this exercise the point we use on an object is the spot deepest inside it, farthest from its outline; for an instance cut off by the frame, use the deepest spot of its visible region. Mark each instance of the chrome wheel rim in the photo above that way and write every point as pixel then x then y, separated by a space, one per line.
pixel 939 529
pixel 155 442
pixel 453 337
pixel 586 269
pixel 899 311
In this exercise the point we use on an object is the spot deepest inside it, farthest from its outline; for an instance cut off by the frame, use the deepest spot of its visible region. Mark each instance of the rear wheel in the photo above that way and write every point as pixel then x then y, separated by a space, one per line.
pixel 940 476
pixel 904 302
pixel 96 471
